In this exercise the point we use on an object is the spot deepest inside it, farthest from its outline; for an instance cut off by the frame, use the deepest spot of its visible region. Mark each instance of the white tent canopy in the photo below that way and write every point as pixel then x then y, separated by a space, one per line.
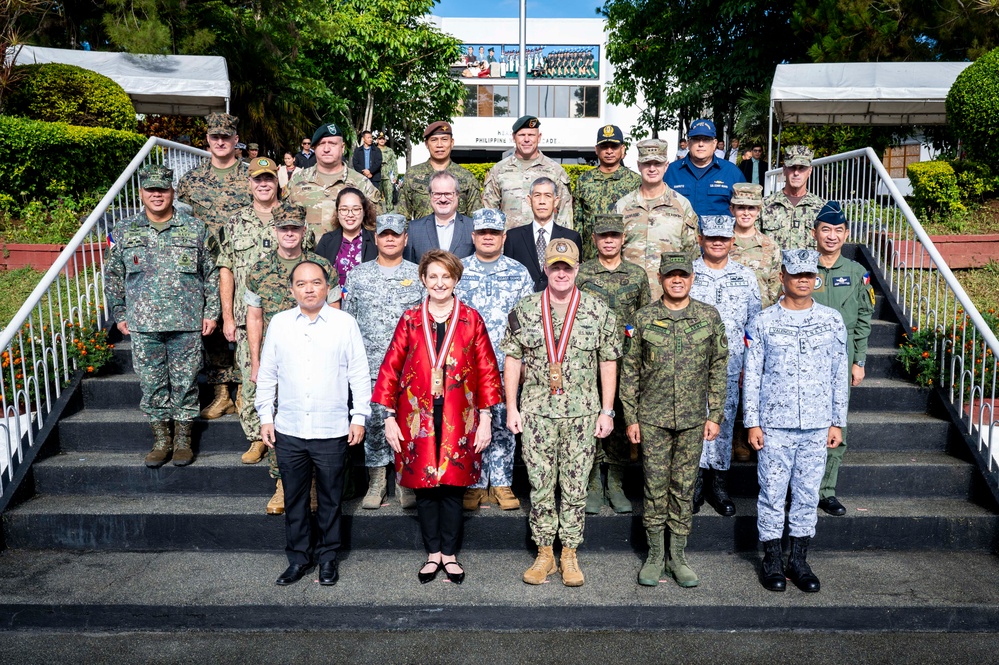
pixel 160 84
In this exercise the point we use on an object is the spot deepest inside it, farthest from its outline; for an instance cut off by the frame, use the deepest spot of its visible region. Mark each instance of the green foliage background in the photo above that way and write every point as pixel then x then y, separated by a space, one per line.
pixel 572 170
pixel 973 108
pixel 70 94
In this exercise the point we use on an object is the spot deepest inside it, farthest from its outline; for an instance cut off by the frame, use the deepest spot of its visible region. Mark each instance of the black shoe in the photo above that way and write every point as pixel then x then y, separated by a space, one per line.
pixel 329 573
pixel 718 496
pixel 457 578
pixel 772 576
pixel 698 499
pixel 832 506
pixel 295 572
pixel 432 575
pixel 798 570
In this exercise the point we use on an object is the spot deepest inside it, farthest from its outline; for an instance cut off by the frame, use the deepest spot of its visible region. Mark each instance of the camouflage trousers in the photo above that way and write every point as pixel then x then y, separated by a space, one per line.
pixel 387 188
pixel 796 457
pixel 220 361
pixel 497 459
pixel 717 454
pixel 376 449
pixel 669 459
pixel 168 364
pixel 558 451
pixel 248 417
pixel 615 449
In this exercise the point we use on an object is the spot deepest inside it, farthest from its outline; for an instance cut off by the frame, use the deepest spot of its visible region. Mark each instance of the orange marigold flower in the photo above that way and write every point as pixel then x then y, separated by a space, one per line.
pixel 90 368
pixel 926 354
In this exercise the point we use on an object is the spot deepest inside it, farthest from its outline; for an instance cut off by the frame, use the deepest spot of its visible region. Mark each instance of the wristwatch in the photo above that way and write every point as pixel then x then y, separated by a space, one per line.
pixel 860 363
pixel 608 412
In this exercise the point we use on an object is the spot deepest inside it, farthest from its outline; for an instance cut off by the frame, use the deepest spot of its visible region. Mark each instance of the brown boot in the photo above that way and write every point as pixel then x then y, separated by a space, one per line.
pixel 276 505
pixel 376 488
pixel 221 405
pixel 162 446
pixel 569 565
pixel 238 403
pixel 505 497
pixel 474 497
pixel 407 497
pixel 255 453
pixel 182 453
pixel 741 451
pixel 543 566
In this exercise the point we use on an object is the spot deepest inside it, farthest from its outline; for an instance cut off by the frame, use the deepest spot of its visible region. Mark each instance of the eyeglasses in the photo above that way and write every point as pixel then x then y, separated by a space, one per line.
pixel 350 211
pixel 443 195
pixel 306 144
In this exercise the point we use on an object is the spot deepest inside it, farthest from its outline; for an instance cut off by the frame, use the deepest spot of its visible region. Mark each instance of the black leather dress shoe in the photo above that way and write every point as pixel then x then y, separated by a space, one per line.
pixel 295 572
pixel 832 506
pixel 426 578
pixel 329 573
pixel 457 578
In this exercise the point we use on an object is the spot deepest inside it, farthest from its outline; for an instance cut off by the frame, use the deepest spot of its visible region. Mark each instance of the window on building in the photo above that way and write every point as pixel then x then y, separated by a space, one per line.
pixel 543 101
pixel 490 101
pixel 898 158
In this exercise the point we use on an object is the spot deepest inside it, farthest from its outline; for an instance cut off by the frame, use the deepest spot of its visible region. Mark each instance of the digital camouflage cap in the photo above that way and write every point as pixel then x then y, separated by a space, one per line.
pixel 670 261
pixel 155 176
pixel 287 214
pixel 717 226
pixel 488 219
pixel 798 155
pixel 798 261
pixel 746 194
pixel 652 150
pixel 222 124
pixel 608 223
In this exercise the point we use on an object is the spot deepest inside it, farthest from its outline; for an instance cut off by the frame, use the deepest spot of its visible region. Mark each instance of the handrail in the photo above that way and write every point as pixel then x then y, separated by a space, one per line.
pixel 36 362
pixel 927 291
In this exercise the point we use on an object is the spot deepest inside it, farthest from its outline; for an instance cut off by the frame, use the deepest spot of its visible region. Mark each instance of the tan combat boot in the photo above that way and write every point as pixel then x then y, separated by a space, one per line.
pixel 569 565
pixel 677 566
pixel 376 488
pixel 276 505
pixel 505 497
pixel 255 453
pixel 474 497
pixel 182 453
pixel 407 497
pixel 221 405
pixel 238 402
pixel 543 566
pixel 162 446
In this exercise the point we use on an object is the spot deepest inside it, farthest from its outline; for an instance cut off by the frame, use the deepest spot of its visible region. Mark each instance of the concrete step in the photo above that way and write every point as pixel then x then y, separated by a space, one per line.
pixel 378 593
pixel 890 431
pixel 169 522
pixel 930 474
pixel 881 364
pixel 879 394
pixel 127 429
pixel 884 334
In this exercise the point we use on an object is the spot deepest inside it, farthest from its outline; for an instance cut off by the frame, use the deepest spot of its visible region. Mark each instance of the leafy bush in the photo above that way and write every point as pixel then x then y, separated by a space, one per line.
pixel 52 222
pixel 975 180
pixel 918 355
pixel 172 127
pixel 934 189
pixel 572 170
pixel 973 106
pixel 70 94
pixel 55 159
pixel 89 346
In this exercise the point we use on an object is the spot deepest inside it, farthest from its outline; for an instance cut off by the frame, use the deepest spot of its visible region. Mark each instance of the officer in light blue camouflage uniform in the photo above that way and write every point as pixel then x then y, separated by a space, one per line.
pixel 492 284
pixel 377 293
pixel 795 393
pixel 734 291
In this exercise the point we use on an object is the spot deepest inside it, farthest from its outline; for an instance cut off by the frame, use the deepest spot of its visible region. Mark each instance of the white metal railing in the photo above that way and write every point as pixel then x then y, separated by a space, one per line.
pixel 36 362
pixel 928 293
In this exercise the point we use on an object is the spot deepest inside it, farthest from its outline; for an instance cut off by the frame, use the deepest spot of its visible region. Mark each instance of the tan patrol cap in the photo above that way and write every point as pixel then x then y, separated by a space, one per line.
pixel 262 165
pixel 652 150
pixel 747 194
pixel 563 250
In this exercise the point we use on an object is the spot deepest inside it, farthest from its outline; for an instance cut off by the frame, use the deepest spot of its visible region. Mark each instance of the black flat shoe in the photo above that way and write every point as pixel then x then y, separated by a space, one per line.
pixel 457 578
pixel 329 573
pixel 294 572
pixel 832 506
pixel 432 575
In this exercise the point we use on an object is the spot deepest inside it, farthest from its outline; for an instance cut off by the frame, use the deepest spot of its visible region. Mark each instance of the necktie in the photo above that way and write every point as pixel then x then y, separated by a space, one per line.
pixel 541 247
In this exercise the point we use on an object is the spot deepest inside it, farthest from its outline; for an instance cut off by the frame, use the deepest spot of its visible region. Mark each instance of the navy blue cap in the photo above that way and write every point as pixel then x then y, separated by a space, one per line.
pixel 702 127
pixel 610 134
pixel 831 213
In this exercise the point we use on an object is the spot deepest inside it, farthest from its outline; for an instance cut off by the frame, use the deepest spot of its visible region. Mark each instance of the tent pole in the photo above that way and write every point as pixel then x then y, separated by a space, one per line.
pixel 770 140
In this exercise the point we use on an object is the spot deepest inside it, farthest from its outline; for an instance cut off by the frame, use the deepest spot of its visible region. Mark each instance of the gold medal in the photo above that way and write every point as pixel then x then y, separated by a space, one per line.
pixel 437 382
pixel 555 378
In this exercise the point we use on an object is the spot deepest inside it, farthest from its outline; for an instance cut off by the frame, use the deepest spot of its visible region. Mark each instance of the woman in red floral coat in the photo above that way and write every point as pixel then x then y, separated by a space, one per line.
pixel 437 382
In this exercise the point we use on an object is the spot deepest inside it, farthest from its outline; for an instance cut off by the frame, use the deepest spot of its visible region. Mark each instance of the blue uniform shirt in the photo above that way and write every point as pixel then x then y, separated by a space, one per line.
pixel 709 189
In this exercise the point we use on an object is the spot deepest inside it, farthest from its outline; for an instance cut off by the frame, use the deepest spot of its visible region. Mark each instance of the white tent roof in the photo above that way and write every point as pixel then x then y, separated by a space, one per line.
pixel 864 93
pixel 161 84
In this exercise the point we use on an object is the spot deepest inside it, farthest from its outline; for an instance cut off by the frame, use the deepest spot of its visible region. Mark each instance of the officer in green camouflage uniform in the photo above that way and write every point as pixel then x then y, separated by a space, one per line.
pixel 390 172
pixel 414 193
pixel 789 214
pixel 316 188
pixel 674 371
pixel 508 183
pixel 656 219
pixel 216 191
pixel 162 288
pixel 624 288
pixel 266 294
pixel 598 190
pixel 845 286
pixel 753 249
pixel 560 412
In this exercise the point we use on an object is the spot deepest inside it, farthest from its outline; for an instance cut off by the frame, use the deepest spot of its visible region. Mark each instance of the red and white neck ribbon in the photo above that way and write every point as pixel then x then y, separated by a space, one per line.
pixel 438 360
pixel 557 353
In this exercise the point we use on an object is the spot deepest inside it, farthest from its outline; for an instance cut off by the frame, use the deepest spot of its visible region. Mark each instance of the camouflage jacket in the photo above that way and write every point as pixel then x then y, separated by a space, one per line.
pixel 378 301
pixel 307 190
pixel 508 185
pixel 243 241
pixel 625 289
pixel 267 285
pixel 653 226
pixel 790 226
pixel 734 292
pixel 214 201
pixel 493 289
pixel 796 373
pixel 390 163
pixel 676 369
pixel 594 339
pixel 414 193
pixel 761 255
pixel 598 193
pixel 162 281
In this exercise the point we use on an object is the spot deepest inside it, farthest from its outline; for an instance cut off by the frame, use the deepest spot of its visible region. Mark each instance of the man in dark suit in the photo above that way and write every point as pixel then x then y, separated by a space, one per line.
pixel 367 159
pixel 446 228
pixel 754 170
pixel 527 243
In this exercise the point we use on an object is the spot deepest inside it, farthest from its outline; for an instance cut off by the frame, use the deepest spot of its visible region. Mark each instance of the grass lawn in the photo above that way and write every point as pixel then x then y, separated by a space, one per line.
pixel 15 287
pixel 982 285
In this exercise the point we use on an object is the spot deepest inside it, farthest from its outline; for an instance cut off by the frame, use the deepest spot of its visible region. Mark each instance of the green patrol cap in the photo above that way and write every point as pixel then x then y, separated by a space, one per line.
pixel 670 261
pixel 798 155
pixel 222 124
pixel 526 122
pixel 155 176
pixel 608 223
pixel 287 213
pixel 252 146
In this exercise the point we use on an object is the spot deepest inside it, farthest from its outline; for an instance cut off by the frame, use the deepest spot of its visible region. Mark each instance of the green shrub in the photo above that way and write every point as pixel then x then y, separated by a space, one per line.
pixel 572 170
pixel 934 189
pixel 973 107
pixel 975 180
pixel 70 94
pixel 55 159
pixel 52 222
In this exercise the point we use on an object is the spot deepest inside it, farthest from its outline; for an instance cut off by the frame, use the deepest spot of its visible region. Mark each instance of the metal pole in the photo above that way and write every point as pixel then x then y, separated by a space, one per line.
pixel 522 66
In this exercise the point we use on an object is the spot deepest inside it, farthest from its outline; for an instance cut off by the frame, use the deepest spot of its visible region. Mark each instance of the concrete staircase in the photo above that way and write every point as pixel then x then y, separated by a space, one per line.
pixel 105 544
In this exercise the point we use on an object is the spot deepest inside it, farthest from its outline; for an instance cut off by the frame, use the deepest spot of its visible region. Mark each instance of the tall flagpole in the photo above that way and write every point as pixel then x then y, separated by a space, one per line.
pixel 522 66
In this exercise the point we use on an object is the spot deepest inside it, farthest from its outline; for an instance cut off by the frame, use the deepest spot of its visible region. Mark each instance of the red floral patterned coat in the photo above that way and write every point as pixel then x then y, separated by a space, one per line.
pixel 471 382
